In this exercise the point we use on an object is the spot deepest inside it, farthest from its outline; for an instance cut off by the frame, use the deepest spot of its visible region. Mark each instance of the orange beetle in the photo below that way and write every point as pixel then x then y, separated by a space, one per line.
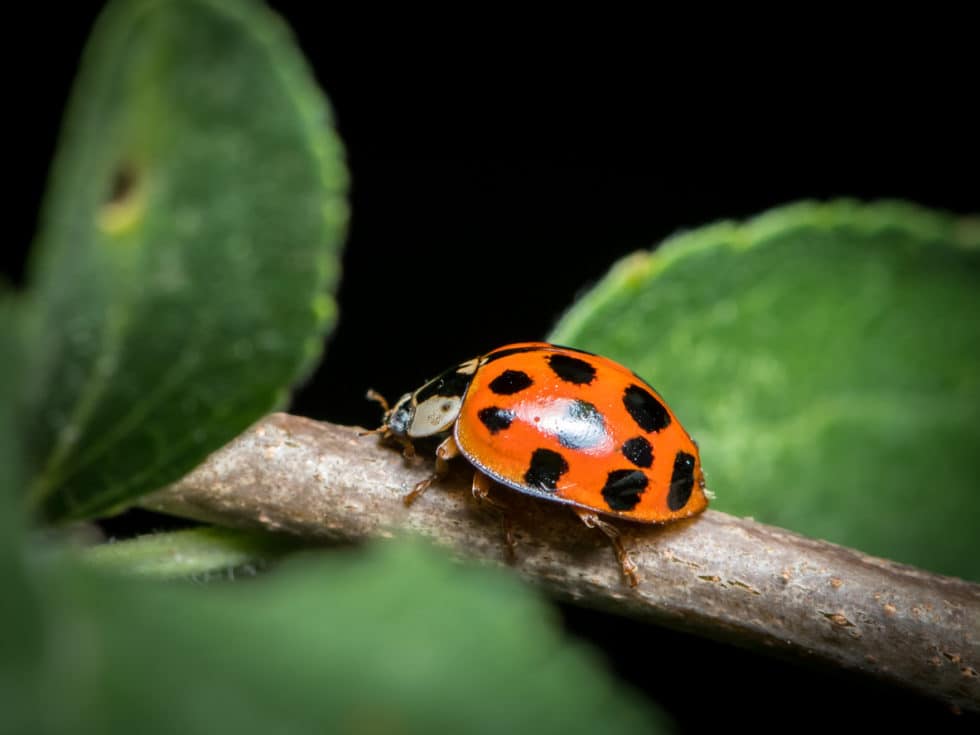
pixel 560 424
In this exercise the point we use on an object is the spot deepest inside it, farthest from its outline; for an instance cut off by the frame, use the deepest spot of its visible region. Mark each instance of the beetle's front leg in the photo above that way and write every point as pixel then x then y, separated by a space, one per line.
pixel 444 452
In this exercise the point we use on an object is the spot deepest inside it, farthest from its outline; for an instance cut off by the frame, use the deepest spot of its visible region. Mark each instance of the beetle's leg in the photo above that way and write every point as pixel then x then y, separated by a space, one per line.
pixel 592 520
pixel 481 491
pixel 408 449
pixel 444 452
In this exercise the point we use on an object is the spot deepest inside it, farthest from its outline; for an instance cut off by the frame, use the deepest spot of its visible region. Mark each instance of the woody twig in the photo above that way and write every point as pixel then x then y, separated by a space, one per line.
pixel 716 575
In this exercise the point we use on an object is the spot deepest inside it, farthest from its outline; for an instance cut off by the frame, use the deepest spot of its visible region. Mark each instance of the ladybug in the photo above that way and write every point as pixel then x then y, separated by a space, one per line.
pixel 561 424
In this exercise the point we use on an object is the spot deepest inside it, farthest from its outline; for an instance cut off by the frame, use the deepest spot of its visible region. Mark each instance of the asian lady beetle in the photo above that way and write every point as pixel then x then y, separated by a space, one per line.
pixel 561 424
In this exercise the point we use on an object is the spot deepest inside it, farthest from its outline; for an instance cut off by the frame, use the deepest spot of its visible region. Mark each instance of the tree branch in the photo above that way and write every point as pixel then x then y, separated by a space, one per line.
pixel 716 575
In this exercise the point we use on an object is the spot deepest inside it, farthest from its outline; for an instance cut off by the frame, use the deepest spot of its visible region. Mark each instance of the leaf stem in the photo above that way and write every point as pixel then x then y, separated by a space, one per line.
pixel 192 552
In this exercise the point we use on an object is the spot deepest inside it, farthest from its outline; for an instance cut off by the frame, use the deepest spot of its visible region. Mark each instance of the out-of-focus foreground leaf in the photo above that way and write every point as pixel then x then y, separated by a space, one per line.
pixel 827 359
pixel 188 249
pixel 396 640
pixel 20 645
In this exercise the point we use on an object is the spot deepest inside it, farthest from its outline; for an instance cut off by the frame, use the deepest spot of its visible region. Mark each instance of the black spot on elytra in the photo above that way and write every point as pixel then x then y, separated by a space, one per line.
pixel 496 355
pixel 582 426
pixel 495 419
pixel 545 469
pixel 571 369
pixel 505 351
pixel 623 488
pixel 450 383
pixel 574 349
pixel 510 382
pixel 681 481
pixel 638 451
pixel 649 413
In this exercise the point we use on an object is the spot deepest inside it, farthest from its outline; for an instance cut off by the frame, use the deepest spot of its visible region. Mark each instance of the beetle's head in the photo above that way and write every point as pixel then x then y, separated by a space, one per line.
pixel 398 419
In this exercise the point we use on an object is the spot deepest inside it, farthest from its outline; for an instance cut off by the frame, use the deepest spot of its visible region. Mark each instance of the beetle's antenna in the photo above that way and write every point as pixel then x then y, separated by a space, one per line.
pixel 373 395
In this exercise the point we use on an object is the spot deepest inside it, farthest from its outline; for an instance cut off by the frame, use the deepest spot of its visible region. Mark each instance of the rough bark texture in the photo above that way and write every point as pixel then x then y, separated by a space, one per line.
pixel 721 576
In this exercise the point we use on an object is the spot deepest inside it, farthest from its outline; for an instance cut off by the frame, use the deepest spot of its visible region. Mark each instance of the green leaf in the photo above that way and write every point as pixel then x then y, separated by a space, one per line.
pixel 394 640
pixel 203 552
pixel 188 250
pixel 20 639
pixel 11 383
pixel 827 359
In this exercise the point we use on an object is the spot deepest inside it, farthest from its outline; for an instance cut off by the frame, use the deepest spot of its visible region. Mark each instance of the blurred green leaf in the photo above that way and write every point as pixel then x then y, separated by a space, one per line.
pixel 194 552
pixel 827 358
pixel 188 249
pixel 20 644
pixel 11 382
pixel 396 639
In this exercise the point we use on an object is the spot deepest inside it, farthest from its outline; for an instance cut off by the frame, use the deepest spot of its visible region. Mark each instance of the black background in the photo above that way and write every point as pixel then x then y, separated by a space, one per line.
pixel 495 177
